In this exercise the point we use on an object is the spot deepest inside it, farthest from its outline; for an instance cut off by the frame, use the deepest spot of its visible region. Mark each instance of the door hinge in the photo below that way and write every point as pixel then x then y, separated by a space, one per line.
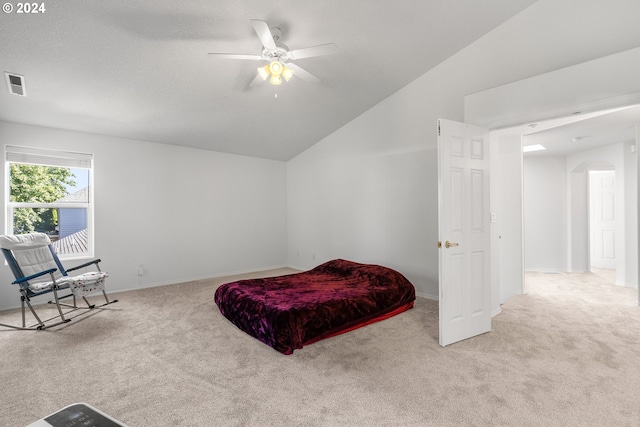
pixel 438 127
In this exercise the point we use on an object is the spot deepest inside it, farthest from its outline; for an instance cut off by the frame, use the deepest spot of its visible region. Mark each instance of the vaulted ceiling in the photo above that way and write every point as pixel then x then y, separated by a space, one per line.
pixel 140 69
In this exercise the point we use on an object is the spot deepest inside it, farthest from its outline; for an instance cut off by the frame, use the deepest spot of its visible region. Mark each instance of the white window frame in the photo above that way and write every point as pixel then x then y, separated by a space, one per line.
pixel 55 158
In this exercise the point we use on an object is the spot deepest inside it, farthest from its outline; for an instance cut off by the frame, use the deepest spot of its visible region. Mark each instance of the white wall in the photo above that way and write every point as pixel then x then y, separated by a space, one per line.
pixel 506 167
pixel 183 213
pixel 368 192
pixel 545 213
pixel 363 203
pixel 631 212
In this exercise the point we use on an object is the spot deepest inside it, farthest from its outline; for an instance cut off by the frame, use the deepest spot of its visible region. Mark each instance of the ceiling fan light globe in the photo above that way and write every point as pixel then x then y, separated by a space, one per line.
pixel 287 73
pixel 276 68
pixel 264 72
pixel 275 80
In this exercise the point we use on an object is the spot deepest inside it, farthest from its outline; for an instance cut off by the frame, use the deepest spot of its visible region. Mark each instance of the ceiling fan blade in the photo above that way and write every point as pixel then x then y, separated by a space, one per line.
pixel 302 73
pixel 264 33
pixel 236 56
pixel 308 52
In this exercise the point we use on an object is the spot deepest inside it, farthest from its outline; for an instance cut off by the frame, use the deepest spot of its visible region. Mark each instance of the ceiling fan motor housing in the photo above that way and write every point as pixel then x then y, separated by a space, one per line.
pixel 280 53
pixel 281 59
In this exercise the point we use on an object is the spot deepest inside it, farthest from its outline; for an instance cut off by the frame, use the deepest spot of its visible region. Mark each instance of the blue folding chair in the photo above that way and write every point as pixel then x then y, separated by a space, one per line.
pixel 38 271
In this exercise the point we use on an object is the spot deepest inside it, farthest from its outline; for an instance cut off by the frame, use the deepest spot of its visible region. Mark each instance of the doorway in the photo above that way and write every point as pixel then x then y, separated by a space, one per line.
pixel 580 206
pixel 602 220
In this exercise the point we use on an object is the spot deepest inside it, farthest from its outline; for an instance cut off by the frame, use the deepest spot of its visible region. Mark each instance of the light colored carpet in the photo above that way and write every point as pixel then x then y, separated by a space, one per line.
pixel 565 354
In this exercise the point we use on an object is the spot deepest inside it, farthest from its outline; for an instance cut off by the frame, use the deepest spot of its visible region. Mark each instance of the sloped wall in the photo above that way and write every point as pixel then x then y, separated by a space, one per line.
pixel 368 191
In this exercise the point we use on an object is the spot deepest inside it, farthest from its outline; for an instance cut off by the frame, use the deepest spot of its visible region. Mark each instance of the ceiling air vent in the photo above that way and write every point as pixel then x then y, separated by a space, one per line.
pixel 16 84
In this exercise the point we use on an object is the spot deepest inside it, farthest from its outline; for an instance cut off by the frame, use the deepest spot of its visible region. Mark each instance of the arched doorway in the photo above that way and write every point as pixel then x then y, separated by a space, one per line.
pixel 597 217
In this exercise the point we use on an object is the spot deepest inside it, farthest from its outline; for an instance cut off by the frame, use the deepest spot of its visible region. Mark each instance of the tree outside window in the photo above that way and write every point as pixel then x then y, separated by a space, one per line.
pixel 37 184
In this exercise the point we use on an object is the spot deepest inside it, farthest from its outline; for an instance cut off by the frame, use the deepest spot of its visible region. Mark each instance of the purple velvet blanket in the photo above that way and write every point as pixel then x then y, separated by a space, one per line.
pixel 288 312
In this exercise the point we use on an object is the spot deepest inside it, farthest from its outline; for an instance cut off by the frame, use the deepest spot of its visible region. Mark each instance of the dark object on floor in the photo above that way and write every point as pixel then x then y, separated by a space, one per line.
pixel 291 311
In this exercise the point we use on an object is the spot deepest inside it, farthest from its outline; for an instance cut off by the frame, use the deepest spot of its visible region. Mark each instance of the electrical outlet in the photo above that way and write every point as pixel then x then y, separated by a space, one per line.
pixel 140 269
pixel 313 257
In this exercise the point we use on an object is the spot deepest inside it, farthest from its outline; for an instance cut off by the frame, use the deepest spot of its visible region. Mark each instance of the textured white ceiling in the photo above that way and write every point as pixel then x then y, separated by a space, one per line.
pixel 139 69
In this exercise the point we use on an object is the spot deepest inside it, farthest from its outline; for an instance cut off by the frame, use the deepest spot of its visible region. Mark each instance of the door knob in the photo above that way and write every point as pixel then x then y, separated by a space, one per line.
pixel 449 244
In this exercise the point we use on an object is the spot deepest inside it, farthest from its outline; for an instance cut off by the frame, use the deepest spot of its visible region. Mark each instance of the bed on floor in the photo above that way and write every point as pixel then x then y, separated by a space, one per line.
pixel 291 311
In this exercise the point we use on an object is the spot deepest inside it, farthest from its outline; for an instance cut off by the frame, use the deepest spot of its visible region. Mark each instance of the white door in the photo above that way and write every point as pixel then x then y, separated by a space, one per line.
pixel 463 208
pixel 602 219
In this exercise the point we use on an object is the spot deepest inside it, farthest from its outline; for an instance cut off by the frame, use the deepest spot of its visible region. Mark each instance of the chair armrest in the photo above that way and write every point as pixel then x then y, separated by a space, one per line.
pixel 86 264
pixel 33 276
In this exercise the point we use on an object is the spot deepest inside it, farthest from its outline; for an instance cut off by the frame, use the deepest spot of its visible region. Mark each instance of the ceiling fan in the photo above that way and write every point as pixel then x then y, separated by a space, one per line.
pixel 279 56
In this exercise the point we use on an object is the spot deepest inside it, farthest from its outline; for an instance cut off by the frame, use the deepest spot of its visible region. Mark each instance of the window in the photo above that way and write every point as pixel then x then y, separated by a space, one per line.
pixel 50 192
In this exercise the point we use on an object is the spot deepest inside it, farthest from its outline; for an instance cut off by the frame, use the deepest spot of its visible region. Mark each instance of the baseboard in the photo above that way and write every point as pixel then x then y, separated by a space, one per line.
pixel 427 296
pixel 297 267
pixel 140 286
pixel 543 270
pixel 205 277
pixel 627 285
